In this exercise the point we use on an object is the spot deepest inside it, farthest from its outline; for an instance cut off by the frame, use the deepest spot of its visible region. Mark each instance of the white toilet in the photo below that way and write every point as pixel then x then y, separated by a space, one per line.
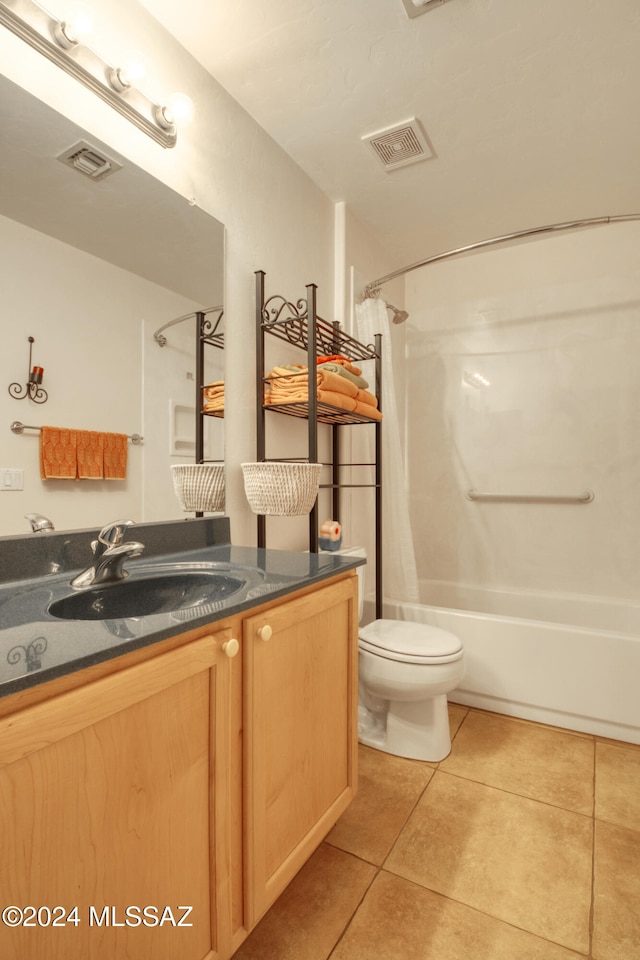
pixel 405 671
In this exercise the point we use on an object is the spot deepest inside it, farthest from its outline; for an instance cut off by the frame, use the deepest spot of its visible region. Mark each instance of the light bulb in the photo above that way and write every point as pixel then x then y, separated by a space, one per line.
pixel 132 65
pixel 133 68
pixel 181 108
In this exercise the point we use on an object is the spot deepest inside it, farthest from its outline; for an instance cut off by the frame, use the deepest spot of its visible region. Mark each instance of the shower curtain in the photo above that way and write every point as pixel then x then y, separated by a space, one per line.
pixel 400 578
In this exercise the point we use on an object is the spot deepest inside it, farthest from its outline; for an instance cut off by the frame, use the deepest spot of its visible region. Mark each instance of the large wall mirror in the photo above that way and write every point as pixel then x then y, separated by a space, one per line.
pixel 92 265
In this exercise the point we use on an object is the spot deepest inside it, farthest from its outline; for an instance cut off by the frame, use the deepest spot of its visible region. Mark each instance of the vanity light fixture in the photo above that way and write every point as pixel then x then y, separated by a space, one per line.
pixel 33 387
pixel 61 42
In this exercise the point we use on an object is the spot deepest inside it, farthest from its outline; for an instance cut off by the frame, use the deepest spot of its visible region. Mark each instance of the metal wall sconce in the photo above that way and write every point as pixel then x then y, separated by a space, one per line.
pixel 57 40
pixel 33 387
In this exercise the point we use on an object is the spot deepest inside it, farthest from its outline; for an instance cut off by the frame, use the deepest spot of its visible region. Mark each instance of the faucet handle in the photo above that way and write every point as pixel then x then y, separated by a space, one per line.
pixel 114 532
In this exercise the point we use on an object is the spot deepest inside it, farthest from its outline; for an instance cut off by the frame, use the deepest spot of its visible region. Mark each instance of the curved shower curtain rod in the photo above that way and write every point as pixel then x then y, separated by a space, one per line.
pixel 161 339
pixel 373 288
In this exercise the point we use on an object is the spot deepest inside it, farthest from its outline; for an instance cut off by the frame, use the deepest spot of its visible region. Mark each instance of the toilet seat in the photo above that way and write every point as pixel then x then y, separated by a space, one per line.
pixel 408 642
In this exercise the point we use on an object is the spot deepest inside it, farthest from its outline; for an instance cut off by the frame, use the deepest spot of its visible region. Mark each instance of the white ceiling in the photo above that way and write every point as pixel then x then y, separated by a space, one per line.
pixel 531 106
pixel 113 219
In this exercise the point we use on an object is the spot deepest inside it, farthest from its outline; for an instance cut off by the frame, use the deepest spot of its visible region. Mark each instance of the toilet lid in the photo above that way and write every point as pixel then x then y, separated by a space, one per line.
pixel 410 642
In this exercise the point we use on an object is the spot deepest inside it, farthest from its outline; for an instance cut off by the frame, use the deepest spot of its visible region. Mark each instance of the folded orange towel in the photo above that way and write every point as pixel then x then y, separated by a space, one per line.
pixel 291 383
pixel 363 396
pixel 213 397
pixel 336 399
pixel 58 453
pixel 213 390
pixel 90 454
pixel 286 386
pixel 368 410
pixel 115 456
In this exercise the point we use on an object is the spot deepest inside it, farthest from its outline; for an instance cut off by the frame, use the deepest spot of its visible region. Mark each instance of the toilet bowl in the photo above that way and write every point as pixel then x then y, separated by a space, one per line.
pixel 405 671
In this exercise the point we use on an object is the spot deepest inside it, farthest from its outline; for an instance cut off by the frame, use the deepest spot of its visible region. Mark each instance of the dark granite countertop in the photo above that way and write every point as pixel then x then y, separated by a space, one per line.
pixel 36 570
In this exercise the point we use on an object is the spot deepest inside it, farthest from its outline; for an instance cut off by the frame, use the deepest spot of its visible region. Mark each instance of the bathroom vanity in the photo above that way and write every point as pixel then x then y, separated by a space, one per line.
pixel 156 798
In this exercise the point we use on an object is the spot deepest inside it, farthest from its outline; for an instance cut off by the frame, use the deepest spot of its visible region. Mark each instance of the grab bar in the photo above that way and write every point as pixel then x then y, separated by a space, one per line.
pixel 585 497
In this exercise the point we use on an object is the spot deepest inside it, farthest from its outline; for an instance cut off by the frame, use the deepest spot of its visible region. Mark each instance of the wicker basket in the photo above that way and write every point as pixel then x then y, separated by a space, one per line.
pixel 199 486
pixel 280 489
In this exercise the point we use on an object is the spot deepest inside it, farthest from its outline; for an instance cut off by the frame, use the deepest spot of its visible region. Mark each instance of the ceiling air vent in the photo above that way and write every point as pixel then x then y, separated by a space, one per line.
pixel 400 145
pixel 89 160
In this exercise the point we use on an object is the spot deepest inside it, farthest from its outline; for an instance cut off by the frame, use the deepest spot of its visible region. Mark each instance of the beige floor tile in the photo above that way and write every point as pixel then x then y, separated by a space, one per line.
pixel 401 921
pixel 523 758
pixel 616 923
pixel 519 860
pixel 618 784
pixel 457 713
pixel 309 917
pixel 388 789
pixel 539 725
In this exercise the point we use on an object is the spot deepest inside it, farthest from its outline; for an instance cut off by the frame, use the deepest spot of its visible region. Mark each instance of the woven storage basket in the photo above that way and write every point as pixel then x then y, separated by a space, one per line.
pixel 281 489
pixel 199 486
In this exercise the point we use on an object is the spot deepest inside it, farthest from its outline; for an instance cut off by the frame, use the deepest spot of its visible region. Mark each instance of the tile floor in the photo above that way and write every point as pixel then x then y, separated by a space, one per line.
pixel 524 844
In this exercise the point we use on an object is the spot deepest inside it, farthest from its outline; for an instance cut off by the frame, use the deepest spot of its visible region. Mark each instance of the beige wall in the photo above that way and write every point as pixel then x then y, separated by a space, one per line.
pixel 276 218
pixel 93 377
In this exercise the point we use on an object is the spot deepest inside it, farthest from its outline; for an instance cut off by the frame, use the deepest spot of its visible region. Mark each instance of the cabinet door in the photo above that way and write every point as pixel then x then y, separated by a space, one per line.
pixel 106 809
pixel 300 733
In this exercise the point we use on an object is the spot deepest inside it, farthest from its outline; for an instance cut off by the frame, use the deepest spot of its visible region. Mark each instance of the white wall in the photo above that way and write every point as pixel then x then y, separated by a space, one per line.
pixel 552 326
pixel 276 218
pixel 169 412
pixel 92 374
pixel 366 261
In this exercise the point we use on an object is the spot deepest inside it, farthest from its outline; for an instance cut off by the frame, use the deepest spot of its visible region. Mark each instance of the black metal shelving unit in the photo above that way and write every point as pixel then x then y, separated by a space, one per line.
pixel 297 323
pixel 209 332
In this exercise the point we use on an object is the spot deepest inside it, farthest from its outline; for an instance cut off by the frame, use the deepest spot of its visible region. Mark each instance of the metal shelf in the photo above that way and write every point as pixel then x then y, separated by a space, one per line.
pixel 297 324
pixel 326 413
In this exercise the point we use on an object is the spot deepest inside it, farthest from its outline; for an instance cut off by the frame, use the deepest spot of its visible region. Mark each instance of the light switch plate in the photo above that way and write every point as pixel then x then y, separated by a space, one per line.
pixel 11 478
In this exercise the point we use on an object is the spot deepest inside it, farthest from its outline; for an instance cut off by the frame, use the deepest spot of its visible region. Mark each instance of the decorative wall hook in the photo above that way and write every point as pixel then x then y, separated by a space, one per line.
pixel 32 388
pixel 31 654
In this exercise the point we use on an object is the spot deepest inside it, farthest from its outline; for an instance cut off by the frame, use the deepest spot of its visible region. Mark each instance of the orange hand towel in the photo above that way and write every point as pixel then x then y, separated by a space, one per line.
pixel 90 454
pixel 58 453
pixel 115 456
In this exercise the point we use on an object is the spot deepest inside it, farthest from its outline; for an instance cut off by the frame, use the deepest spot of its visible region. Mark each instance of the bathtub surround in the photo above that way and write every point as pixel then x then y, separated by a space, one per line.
pixel 551 328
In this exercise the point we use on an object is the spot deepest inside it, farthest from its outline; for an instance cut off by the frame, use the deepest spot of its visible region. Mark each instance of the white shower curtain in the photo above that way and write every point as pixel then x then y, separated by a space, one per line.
pixel 400 579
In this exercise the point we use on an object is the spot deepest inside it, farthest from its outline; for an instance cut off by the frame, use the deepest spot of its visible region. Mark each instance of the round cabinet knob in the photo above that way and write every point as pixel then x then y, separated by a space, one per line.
pixel 231 647
pixel 266 632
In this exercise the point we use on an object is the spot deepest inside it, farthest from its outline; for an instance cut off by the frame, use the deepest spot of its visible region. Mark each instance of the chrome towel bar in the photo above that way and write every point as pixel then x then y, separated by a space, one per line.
pixel 17 427
pixel 585 497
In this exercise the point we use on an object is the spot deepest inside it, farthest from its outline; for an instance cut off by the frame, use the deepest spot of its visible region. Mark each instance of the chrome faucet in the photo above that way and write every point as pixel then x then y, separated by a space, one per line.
pixel 39 524
pixel 109 554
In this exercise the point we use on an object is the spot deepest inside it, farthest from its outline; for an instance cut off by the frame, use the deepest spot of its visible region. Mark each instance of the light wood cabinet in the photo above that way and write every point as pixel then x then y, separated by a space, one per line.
pixel 106 808
pixel 300 701
pixel 203 776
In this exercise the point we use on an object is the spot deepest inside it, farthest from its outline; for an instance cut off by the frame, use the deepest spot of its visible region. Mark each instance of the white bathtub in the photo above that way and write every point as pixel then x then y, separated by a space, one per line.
pixel 584 677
